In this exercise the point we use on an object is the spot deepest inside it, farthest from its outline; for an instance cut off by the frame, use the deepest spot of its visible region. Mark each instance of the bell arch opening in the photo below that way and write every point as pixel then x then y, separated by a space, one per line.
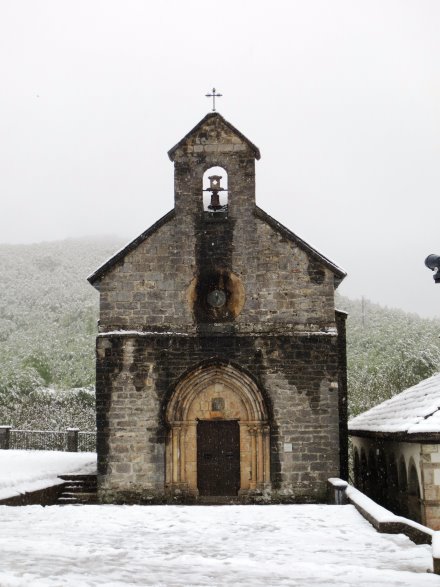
pixel 215 190
pixel 207 405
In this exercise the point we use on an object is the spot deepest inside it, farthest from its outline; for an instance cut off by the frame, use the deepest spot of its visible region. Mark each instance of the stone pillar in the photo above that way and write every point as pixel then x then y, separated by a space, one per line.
pixel 266 448
pixel 72 439
pixel 260 457
pixel 182 455
pixel 436 553
pixel 5 437
pixel 175 476
pixel 336 491
pixel 253 435
pixel 430 466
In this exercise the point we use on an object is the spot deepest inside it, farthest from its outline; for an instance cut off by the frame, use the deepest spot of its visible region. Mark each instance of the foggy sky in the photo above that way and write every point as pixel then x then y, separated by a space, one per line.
pixel 341 97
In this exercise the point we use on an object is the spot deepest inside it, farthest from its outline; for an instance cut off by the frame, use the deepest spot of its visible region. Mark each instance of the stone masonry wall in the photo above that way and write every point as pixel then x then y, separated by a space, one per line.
pixel 137 374
pixel 147 289
pixel 150 289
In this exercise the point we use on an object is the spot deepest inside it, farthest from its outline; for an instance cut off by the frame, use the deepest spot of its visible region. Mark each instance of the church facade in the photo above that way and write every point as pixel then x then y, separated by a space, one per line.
pixel 221 370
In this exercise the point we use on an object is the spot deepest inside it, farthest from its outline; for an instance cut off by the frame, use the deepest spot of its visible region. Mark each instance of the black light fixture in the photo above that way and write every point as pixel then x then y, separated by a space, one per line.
pixel 433 262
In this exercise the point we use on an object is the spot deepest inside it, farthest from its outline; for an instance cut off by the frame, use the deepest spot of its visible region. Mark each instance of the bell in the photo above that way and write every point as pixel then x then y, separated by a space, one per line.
pixel 215 188
pixel 215 182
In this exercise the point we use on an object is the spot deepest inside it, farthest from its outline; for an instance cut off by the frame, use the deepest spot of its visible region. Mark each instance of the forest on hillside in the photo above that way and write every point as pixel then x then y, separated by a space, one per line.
pixel 388 350
pixel 48 315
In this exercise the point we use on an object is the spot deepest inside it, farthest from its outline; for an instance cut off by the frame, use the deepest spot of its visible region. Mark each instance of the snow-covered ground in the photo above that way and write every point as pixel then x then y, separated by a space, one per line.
pixel 29 470
pixel 168 546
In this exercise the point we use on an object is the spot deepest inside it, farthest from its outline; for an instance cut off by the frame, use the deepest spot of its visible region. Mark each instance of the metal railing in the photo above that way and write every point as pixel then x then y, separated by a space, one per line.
pixel 86 442
pixel 70 440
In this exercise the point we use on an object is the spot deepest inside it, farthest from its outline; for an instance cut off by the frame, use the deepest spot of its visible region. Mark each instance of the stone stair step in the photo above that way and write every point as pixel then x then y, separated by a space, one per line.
pixel 218 500
pixel 78 490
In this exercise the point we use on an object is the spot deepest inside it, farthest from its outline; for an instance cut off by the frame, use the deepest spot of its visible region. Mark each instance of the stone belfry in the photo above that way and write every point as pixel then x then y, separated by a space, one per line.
pixel 220 357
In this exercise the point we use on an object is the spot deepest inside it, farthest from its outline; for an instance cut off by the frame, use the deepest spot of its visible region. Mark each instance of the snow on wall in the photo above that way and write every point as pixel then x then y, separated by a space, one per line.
pixel 22 471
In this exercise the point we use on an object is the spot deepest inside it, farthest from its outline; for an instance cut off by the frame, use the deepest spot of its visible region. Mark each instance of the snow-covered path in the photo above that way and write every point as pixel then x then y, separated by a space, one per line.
pixel 115 546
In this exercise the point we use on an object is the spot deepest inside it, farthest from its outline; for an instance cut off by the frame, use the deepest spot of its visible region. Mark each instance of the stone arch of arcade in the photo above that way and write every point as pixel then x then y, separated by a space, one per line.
pixel 389 476
pixel 217 393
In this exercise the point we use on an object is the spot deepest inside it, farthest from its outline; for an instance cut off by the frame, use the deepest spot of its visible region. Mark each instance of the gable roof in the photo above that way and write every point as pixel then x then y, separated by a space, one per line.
pixel 338 272
pixel 129 247
pixel 277 226
pixel 210 117
pixel 409 414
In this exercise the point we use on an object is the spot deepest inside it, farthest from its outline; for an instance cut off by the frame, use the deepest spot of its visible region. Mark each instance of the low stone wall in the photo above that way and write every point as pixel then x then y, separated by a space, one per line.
pixel 45 496
pixel 340 493
pixel 384 521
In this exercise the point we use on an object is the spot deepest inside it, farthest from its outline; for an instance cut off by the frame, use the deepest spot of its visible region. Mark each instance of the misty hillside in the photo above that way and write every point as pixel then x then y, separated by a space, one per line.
pixel 388 350
pixel 48 314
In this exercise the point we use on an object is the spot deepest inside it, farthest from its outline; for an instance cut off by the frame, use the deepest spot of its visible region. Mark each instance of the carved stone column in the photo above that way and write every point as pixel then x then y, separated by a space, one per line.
pixel 253 435
pixel 176 453
pixel 260 456
pixel 182 456
pixel 266 448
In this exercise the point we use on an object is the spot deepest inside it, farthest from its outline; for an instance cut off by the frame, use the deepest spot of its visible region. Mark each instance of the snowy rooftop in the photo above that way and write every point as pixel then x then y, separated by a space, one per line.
pixel 414 411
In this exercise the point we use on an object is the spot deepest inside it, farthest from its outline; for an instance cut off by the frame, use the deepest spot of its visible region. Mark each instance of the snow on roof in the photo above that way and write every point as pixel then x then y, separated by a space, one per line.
pixel 414 411
pixel 141 333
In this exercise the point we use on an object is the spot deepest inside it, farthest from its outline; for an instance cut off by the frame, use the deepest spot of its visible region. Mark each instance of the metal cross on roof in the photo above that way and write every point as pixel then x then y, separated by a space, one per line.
pixel 213 96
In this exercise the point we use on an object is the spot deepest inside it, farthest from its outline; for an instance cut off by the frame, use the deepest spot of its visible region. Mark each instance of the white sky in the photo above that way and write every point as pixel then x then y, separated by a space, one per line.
pixel 342 98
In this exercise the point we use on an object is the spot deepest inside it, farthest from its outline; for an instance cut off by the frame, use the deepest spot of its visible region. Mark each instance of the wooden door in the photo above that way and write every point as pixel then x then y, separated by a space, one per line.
pixel 218 457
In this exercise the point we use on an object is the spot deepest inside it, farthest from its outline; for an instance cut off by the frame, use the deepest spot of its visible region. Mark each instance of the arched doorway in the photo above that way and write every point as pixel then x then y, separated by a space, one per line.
pixel 364 472
pixel 393 485
pixel 219 436
pixel 382 478
pixel 371 489
pixel 357 469
pixel 403 488
pixel 414 502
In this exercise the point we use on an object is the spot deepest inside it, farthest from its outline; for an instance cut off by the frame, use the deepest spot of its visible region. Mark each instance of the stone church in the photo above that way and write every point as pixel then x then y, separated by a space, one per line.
pixel 221 365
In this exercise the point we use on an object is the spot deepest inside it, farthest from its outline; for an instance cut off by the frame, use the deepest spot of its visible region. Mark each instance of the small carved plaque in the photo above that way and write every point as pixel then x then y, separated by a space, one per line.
pixel 288 447
pixel 217 404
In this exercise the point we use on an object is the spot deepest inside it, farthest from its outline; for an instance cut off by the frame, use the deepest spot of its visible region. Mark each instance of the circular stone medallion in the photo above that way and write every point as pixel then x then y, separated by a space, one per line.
pixel 216 298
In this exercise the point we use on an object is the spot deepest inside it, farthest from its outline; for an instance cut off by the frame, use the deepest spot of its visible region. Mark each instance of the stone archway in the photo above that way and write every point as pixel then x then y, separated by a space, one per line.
pixel 414 494
pixel 217 393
